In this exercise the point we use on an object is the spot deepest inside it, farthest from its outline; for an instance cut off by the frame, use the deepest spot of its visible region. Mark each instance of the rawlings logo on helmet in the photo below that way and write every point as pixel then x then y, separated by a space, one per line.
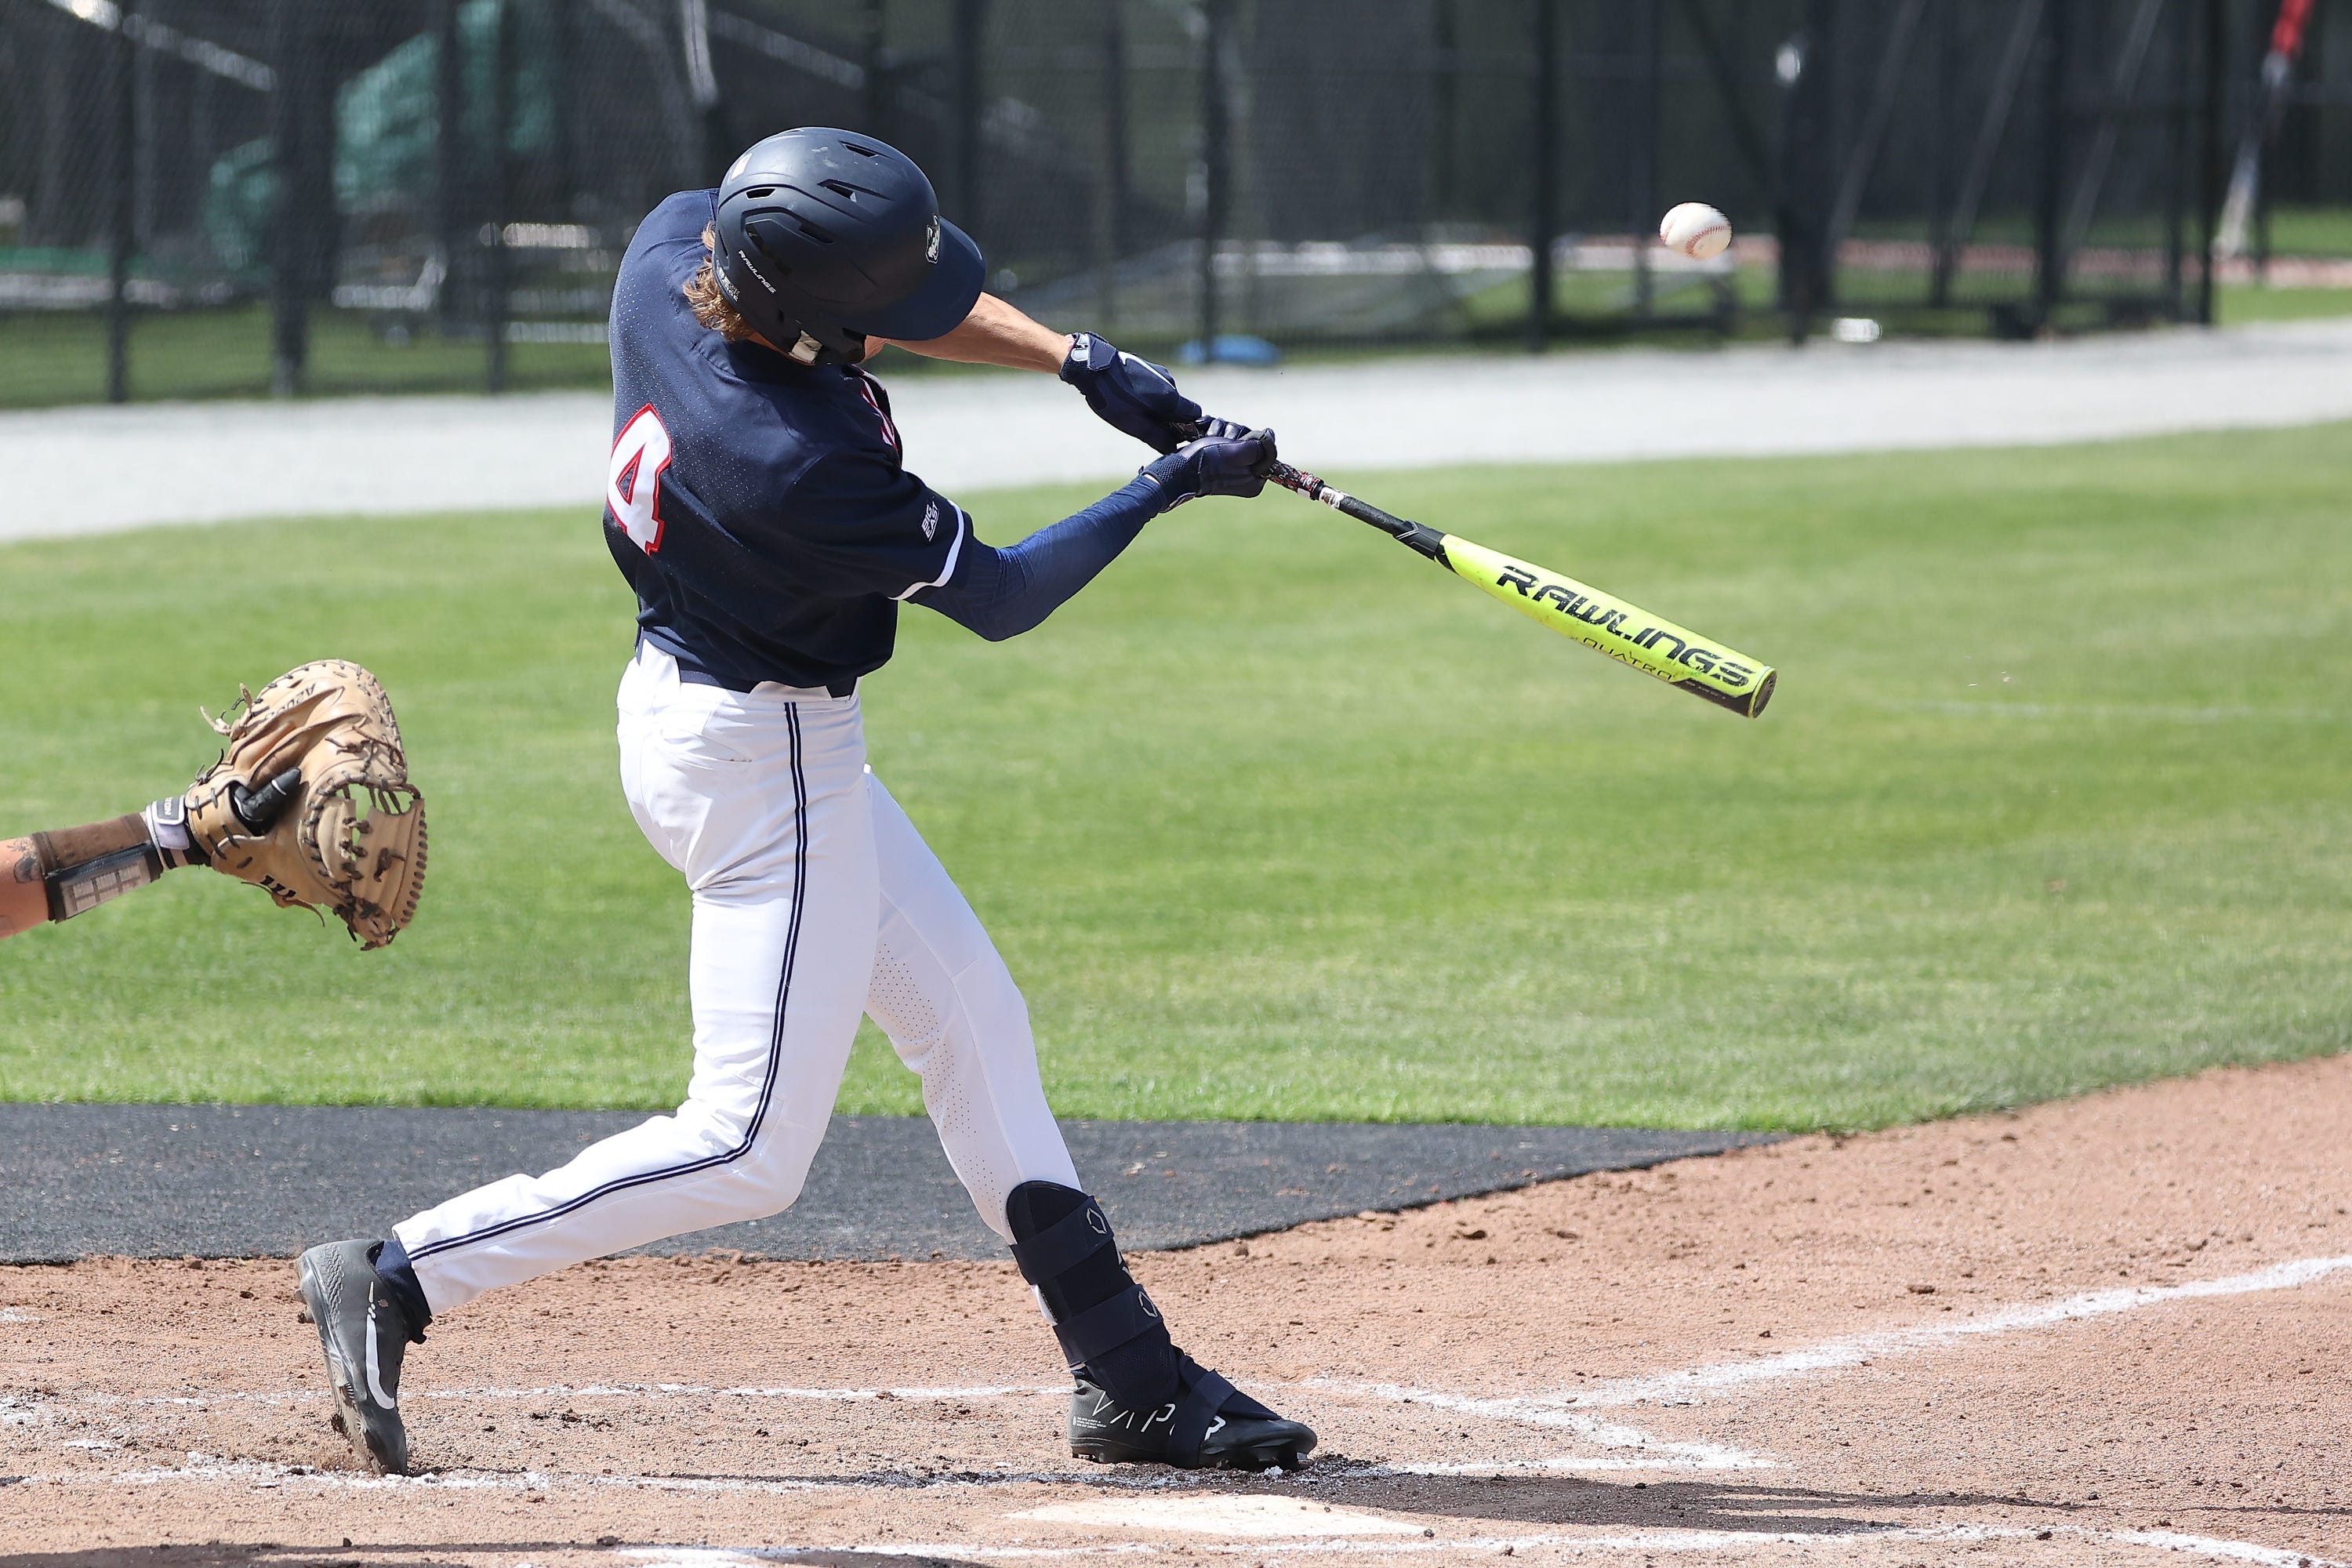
pixel 753 268
pixel 931 242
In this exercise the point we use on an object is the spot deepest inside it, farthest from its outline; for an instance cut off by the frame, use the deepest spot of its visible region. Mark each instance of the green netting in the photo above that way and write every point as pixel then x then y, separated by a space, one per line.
pixel 243 186
pixel 387 124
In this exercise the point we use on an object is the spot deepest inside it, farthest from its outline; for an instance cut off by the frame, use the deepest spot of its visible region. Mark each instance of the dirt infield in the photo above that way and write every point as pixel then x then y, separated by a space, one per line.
pixel 2110 1331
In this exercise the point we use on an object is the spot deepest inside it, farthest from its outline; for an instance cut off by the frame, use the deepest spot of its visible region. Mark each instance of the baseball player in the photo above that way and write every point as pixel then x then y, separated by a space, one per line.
pixel 310 802
pixel 759 506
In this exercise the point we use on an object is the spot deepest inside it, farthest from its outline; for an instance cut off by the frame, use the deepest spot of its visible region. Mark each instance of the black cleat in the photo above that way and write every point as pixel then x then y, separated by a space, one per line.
pixel 1209 1426
pixel 365 1334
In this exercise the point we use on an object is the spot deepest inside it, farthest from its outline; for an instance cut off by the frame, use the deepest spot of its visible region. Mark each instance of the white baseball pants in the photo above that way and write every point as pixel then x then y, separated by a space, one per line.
pixel 814 900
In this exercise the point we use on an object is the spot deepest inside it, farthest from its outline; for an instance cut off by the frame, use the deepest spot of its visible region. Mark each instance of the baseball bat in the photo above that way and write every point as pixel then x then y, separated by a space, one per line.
pixel 1625 632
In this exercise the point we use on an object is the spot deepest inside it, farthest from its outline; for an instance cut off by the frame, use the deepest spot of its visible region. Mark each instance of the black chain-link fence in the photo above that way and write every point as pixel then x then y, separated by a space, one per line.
pixel 217 196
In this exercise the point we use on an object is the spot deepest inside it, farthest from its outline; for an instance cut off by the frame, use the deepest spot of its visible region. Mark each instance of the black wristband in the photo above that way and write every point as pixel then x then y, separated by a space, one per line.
pixel 78 890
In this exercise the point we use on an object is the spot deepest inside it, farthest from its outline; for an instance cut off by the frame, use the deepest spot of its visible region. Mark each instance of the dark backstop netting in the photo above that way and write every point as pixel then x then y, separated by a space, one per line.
pixel 226 196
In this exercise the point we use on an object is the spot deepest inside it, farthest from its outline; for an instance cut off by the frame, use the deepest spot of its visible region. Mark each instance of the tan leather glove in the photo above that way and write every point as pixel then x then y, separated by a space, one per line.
pixel 314 759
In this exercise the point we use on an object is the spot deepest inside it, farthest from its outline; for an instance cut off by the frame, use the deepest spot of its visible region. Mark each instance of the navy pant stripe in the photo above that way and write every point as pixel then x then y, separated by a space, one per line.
pixel 775 1044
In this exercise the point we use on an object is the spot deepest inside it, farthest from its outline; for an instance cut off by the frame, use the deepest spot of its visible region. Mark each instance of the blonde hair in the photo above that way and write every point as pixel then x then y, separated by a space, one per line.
pixel 708 302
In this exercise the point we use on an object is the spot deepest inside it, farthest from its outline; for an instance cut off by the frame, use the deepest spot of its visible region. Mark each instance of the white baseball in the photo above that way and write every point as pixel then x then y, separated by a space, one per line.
pixel 1695 229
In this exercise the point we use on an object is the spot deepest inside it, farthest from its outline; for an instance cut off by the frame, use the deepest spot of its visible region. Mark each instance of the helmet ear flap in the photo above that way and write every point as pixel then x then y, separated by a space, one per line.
pixel 754 273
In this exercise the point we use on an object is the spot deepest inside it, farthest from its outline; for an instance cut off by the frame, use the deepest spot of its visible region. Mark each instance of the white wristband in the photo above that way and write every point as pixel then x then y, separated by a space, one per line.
pixel 167 823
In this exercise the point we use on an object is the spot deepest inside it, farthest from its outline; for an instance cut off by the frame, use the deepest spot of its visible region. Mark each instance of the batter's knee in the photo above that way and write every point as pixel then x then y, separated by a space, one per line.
pixel 992 1001
pixel 751 1165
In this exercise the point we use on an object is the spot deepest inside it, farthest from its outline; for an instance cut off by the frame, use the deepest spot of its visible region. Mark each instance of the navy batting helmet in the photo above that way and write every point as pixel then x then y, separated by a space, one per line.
pixel 827 237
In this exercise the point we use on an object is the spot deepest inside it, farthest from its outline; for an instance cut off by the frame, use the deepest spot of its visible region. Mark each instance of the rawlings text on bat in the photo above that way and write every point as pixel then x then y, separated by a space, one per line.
pixel 1626 633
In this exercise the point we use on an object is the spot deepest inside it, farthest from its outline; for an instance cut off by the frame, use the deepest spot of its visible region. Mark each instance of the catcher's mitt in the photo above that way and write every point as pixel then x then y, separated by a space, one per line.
pixel 312 802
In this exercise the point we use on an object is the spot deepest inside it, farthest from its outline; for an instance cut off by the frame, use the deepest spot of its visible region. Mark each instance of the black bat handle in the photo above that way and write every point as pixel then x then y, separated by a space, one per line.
pixel 1415 536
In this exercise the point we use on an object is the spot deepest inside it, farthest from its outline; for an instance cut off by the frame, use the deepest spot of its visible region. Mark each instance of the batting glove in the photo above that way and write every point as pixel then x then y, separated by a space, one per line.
pixel 1133 396
pixel 1220 465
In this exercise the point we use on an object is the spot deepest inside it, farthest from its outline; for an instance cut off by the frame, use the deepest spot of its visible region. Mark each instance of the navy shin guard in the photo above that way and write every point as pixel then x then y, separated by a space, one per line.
pixel 1138 1399
pixel 1106 1324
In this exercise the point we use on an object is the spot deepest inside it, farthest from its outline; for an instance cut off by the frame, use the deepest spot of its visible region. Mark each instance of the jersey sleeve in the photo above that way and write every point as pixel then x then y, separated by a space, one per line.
pixel 1001 593
pixel 857 523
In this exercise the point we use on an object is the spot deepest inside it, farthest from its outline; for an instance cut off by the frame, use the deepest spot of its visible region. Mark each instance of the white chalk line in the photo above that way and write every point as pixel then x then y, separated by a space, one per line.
pixel 1628 1449
pixel 672 1390
pixel 25 1410
pixel 1660 1455
pixel 551 1392
pixel 1662 1540
pixel 1256 1516
pixel 207 1469
pixel 1693 1385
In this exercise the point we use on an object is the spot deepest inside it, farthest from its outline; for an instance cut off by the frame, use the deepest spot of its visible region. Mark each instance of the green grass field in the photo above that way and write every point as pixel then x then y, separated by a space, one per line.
pixel 1276 821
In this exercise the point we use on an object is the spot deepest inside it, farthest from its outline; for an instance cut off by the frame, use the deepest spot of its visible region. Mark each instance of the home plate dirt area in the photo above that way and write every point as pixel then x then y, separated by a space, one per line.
pixel 2107 1330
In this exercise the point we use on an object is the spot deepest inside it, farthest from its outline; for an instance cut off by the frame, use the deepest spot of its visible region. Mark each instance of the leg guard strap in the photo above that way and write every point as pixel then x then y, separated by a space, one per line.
pixel 1204 1394
pixel 1091 1337
pixel 1064 1244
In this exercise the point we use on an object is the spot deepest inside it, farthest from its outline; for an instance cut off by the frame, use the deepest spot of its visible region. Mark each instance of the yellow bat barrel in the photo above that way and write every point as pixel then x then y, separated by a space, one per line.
pixel 1626 633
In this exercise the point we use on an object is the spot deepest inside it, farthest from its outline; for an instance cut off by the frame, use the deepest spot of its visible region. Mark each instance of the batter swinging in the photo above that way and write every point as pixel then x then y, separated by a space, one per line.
pixel 758 505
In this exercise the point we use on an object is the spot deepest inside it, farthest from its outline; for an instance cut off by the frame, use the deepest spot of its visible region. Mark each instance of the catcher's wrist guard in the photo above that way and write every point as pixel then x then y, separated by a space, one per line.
pixel 310 800
pixel 82 868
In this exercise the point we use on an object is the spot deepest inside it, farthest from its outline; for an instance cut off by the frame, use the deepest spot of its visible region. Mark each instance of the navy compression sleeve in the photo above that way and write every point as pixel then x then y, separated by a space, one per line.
pixel 1001 593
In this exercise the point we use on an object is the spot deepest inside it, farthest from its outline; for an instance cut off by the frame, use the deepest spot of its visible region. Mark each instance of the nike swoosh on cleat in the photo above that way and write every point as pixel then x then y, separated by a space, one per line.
pixel 374 1372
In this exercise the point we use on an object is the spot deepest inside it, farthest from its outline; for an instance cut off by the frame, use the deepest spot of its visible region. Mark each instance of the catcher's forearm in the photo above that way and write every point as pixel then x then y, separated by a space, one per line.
pixel 23 904
pixel 57 876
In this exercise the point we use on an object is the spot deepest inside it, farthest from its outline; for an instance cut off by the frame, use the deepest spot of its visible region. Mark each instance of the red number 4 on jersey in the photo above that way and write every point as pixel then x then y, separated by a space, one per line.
pixel 632 483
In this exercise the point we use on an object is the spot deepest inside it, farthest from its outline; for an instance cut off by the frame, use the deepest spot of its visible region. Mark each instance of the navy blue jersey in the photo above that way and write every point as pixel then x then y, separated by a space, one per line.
pixel 759 507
